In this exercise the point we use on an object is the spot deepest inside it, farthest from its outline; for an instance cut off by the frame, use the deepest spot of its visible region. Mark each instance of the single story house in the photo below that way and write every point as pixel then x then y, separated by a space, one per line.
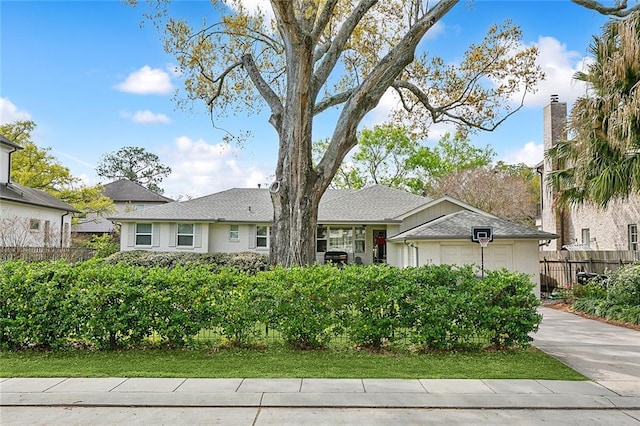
pixel 373 224
pixel 30 217
pixel 126 196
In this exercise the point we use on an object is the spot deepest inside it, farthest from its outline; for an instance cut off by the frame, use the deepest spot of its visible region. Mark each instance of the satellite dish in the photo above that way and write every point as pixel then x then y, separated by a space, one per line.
pixel 274 187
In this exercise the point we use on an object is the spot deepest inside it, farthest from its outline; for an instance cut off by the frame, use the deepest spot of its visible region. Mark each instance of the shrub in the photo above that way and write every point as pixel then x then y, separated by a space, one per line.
pixel 508 306
pixel 34 307
pixel 372 317
pixel 438 310
pixel 104 245
pixel 112 299
pixel 248 262
pixel 307 303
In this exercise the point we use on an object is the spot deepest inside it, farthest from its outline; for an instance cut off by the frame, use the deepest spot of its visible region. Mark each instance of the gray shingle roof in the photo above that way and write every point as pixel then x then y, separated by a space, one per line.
pixel 7 142
pixel 126 191
pixel 375 203
pixel 458 226
pixel 371 204
pixel 36 197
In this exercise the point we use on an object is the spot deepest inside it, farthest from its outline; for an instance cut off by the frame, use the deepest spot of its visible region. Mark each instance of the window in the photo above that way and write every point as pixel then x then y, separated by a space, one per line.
pixel 633 237
pixel 360 233
pixel 34 224
pixel 143 234
pixel 321 239
pixel 139 207
pixel 185 235
pixel 234 233
pixel 586 240
pixel 341 239
pixel 263 234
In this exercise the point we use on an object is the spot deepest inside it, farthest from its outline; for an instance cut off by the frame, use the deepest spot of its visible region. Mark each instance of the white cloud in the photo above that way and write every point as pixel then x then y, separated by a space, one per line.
pixel 147 81
pixel 559 66
pixel 199 168
pixel 146 117
pixel 9 113
pixel 530 154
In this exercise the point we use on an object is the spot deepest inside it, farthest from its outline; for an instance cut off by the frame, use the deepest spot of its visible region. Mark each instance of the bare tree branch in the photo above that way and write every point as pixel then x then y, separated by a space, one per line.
pixel 334 100
pixel 337 44
pixel 437 113
pixel 621 9
pixel 265 90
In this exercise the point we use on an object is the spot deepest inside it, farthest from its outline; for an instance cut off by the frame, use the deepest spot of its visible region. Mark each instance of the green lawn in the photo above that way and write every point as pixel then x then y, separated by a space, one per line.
pixel 281 362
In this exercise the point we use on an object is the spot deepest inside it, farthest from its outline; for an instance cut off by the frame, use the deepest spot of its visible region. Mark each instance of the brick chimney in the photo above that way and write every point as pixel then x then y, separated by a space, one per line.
pixel 555 129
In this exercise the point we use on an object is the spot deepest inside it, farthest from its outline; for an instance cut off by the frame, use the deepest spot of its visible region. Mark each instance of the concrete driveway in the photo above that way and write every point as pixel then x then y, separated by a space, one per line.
pixel 607 354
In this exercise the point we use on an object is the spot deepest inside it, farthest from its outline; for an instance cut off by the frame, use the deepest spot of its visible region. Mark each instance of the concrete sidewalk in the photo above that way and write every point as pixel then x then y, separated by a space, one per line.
pixel 345 393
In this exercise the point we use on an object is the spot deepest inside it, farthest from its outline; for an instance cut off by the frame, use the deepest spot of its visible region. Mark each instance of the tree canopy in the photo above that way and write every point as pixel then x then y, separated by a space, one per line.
pixel 310 56
pixel 37 168
pixel 507 191
pixel 601 160
pixel 136 164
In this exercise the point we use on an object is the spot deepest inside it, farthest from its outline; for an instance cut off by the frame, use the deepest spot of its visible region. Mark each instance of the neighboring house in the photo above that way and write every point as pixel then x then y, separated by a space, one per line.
pixel 29 217
pixel 587 226
pixel 126 196
pixel 373 224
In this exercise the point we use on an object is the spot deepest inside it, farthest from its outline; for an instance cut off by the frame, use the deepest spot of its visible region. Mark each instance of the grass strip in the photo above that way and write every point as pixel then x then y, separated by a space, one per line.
pixel 282 362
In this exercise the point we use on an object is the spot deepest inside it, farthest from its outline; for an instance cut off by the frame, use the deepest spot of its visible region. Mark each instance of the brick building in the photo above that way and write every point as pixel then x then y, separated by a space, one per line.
pixel 613 228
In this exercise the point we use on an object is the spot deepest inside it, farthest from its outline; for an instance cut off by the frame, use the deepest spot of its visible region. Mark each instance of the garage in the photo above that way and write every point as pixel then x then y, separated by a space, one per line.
pixel 496 256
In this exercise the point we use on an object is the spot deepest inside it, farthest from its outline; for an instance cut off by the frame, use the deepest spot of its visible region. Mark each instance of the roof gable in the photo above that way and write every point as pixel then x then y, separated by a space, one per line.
pixel 124 190
pixel 458 226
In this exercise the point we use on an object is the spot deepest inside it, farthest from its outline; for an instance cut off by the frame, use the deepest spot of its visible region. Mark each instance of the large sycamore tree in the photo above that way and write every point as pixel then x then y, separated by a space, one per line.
pixel 305 57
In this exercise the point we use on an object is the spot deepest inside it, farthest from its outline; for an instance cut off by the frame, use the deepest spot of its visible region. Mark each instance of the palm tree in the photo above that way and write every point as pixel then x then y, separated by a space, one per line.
pixel 601 162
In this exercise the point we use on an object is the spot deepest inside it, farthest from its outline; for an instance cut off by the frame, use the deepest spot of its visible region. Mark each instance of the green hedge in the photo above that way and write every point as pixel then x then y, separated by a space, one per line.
pixel 115 305
pixel 616 298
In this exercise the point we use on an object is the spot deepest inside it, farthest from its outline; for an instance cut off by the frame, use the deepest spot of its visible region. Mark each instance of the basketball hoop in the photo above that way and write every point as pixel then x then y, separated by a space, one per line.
pixel 484 241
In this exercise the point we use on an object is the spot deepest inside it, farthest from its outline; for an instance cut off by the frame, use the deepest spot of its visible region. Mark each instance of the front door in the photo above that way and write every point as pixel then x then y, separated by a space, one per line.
pixel 379 246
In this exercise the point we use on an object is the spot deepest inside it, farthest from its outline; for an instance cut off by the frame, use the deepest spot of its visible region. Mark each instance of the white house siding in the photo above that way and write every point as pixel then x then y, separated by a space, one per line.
pixel 220 241
pixel 514 255
pixel 15 226
pixel 441 209
pixel 164 237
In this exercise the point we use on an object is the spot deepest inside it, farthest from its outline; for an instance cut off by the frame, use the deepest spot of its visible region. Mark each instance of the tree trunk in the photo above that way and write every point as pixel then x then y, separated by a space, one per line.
pixel 296 192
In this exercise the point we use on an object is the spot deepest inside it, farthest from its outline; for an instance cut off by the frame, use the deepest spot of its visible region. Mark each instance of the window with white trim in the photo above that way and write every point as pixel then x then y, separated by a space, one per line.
pixel 34 224
pixel 321 239
pixel 234 233
pixel 185 234
pixel 633 237
pixel 143 234
pixel 586 238
pixel 263 235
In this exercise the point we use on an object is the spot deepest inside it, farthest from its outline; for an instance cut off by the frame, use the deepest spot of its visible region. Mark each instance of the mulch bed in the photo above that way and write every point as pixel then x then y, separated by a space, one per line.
pixel 565 307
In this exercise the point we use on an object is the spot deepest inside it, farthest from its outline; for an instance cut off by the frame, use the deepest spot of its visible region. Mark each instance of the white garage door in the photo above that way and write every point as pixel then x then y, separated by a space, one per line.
pixel 496 256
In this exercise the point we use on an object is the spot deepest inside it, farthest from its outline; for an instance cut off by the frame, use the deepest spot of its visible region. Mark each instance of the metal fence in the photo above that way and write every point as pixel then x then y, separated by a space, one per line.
pixel 43 254
pixel 564 269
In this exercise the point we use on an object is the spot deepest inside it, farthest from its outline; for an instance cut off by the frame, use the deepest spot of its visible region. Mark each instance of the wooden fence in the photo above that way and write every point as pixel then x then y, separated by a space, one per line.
pixel 41 254
pixel 562 268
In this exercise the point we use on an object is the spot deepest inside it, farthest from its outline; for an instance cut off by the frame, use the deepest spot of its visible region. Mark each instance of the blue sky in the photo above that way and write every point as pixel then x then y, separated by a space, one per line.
pixel 94 81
